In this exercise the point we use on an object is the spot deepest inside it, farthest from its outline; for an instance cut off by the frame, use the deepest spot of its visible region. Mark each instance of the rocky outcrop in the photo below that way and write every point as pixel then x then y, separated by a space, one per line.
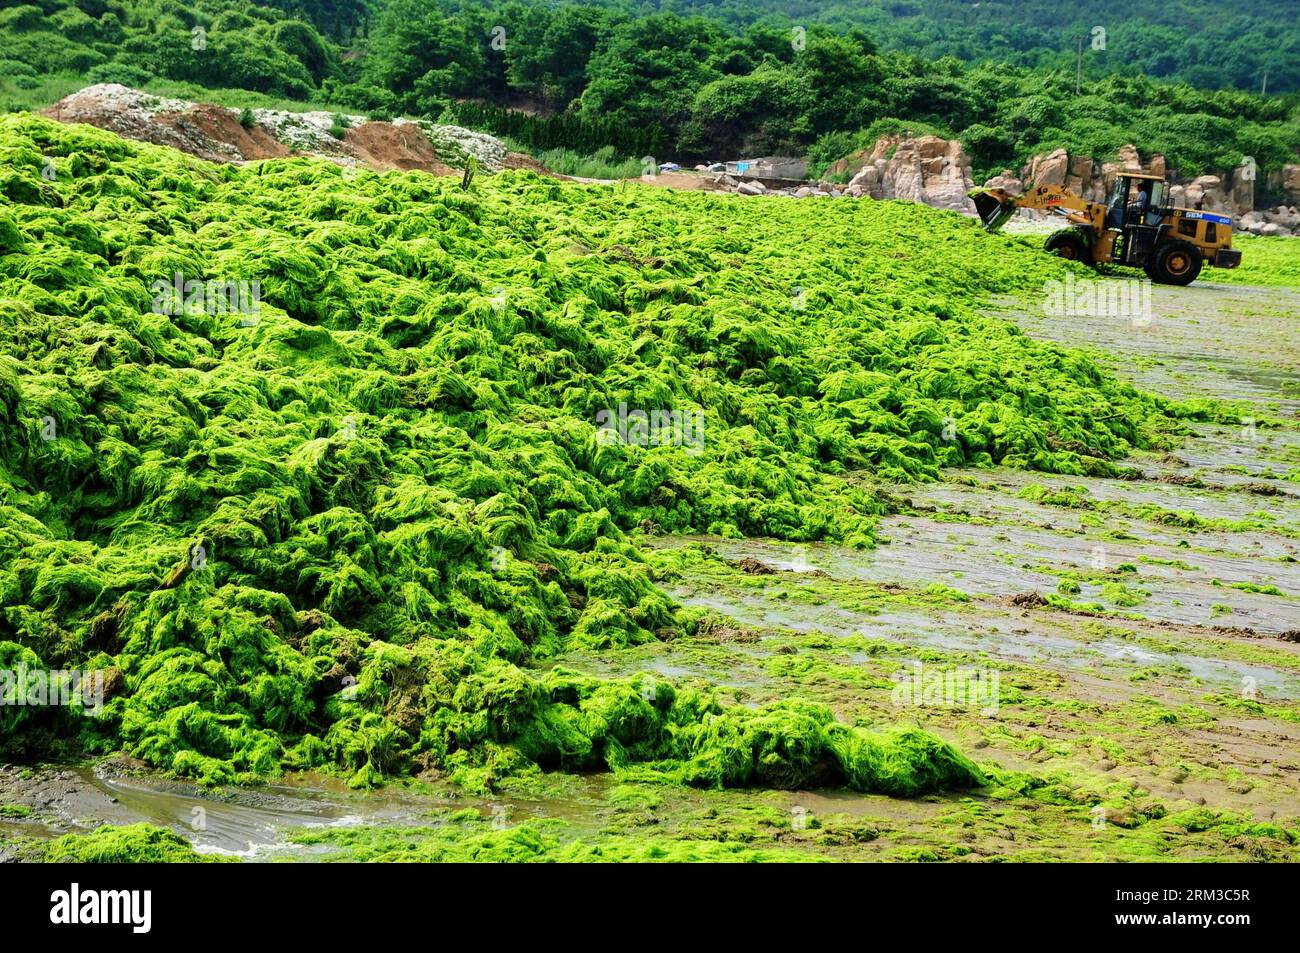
pixel 927 170
pixel 1229 192
pixel 1006 179
pixel 1290 182
pixel 1048 169
pixel 1282 220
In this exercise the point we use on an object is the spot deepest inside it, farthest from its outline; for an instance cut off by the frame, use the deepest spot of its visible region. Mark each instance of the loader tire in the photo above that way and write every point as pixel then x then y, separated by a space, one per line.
pixel 1068 244
pixel 1176 263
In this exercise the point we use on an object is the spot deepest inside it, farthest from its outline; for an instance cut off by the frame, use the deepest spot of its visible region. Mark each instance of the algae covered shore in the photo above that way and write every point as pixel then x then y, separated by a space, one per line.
pixel 372 522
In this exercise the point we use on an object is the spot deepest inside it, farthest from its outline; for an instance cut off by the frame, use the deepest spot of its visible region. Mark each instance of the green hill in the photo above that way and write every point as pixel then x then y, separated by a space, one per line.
pixel 687 88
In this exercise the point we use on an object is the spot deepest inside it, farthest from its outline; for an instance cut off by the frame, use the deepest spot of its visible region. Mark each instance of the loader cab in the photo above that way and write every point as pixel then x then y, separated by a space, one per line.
pixel 1135 199
pixel 1134 209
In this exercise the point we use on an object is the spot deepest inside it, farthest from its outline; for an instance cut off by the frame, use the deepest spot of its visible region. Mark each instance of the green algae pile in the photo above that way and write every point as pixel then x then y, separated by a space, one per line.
pixel 1265 260
pixel 133 844
pixel 346 523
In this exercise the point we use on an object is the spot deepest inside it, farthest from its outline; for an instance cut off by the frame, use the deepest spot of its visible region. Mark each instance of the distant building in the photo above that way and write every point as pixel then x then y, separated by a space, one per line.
pixel 770 167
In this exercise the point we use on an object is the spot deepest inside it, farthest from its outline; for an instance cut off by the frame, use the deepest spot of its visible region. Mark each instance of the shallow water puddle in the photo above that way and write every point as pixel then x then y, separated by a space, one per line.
pixel 258 822
pixel 992 630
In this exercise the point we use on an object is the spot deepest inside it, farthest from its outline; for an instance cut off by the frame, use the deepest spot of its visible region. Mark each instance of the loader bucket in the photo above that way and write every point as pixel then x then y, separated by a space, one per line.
pixel 993 211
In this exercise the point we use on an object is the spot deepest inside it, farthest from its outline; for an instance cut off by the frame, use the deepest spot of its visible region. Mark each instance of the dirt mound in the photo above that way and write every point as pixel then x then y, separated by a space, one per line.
pixel 382 145
pixel 522 160
pixel 133 114
pixel 222 126
pixel 216 133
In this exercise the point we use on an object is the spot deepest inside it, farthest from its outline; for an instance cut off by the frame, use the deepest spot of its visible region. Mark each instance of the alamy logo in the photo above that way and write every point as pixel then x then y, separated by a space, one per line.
pixel 195 296
pixel 1095 298
pixel 23 687
pixel 947 688
pixel 652 428
pixel 73 906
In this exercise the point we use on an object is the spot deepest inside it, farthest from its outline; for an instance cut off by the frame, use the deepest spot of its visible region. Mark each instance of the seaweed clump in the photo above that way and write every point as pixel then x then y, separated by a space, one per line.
pixel 326 522
pixel 133 844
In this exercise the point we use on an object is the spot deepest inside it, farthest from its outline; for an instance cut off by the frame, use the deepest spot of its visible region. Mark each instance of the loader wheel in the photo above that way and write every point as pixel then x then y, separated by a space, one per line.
pixel 1176 263
pixel 1068 244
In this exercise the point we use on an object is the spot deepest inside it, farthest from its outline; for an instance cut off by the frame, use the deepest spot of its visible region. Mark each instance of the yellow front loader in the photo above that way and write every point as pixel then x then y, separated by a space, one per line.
pixel 1133 228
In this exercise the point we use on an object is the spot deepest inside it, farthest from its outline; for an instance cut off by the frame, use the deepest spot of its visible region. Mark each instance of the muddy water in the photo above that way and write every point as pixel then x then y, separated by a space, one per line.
pixel 992 630
pixel 255 823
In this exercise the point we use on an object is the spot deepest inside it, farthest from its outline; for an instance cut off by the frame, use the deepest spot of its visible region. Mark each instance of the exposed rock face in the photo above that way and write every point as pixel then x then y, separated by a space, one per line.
pixel 1274 221
pixel 1006 180
pixel 1205 192
pixel 927 170
pixel 1129 157
pixel 1291 182
pixel 931 171
pixel 866 182
pixel 1230 192
pixel 1048 169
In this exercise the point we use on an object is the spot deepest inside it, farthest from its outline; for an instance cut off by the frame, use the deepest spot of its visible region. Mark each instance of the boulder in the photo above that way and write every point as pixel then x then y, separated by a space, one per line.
pixel 1291 182
pixel 927 170
pixel 1286 217
pixel 1049 169
pixel 1005 181
pixel 867 179
pixel 1206 192
pixel 750 188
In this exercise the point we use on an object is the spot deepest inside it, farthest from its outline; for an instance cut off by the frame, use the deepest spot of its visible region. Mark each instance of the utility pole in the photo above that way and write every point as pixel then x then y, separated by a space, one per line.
pixel 1078 69
pixel 1263 89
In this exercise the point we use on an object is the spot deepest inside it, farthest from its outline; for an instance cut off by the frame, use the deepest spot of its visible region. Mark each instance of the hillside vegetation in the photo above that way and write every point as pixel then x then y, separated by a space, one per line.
pixel 657 84
pixel 1200 42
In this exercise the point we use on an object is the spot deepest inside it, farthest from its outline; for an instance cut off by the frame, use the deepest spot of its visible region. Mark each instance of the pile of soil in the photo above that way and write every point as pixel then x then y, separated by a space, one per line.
pixel 382 145
pixel 221 125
